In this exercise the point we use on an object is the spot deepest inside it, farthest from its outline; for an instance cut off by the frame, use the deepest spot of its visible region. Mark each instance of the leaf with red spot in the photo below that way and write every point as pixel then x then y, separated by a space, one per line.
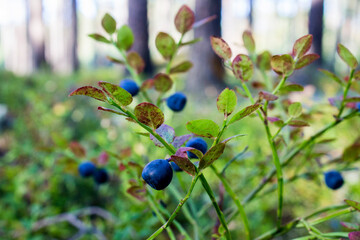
pixel 99 38
pixel 249 42
pixel 283 64
pixel 244 112
pixel 306 60
pixel 298 123
pixel 267 96
pixel 212 155
pixel 302 46
pixel 181 152
pixel 90 92
pixel 147 84
pixel 77 149
pixel 182 67
pixel 242 67
pixel 354 236
pixel 185 164
pixel 137 192
pixel 162 82
pixel 263 61
pixel 292 87
pixel 220 47
pixel 115 92
pixel 136 62
pixel 184 19
pixel 149 114
pixel 165 44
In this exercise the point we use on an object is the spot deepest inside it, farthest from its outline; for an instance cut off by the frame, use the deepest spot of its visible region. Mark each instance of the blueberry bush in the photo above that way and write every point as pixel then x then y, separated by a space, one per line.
pixel 207 148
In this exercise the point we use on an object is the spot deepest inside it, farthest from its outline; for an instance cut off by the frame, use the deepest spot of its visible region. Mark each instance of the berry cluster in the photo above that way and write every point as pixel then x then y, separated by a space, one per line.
pixel 88 169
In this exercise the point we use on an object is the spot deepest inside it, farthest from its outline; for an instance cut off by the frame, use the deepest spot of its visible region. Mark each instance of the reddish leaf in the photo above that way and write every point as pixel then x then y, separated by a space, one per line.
pixel 354 236
pixel 267 96
pixel 212 155
pixel 242 67
pixel 353 204
pixel 149 83
pixel 115 60
pixel 233 137
pixel 149 114
pixel 352 226
pixel 185 164
pixel 181 152
pixel 357 75
pixel 306 60
pixel 103 158
pixel 111 110
pixel 137 192
pixel 184 19
pixel 162 82
pixel 182 67
pixel 165 44
pixel 302 45
pixel 180 140
pixel 220 47
pixel 347 56
pixel 77 149
pixel 118 94
pixel 243 113
pixel 298 123
pixel 352 152
pixel 352 99
pixel 249 42
pixel 136 62
pixel 282 64
pixel 90 92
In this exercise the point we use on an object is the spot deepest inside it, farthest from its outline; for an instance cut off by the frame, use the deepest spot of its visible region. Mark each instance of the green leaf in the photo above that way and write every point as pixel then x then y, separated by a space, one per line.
pixel 99 38
pixel 149 114
pixel 226 101
pixel 302 46
pixel 165 44
pixel 298 123
pixel 306 60
pixel 249 42
pixel 162 82
pixel 353 204
pixel 90 92
pixel 220 47
pixel 115 60
pixel 295 109
pixel 242 67
pixel 244 112
pixel 291 88
pixel 357 75
pixel 331 75
pixel 125 38
pixel 203 127
pixel 191 42
pixel 352 99
pixel 212 155
pixel 352 226
pixel 136 62
pixel 108 23
pixel 282 64
pixel 347 56
pixel 267 96
pixel 185 164
pixel 182 67
pixel 184 19
pixel 118 94
pixel 263 61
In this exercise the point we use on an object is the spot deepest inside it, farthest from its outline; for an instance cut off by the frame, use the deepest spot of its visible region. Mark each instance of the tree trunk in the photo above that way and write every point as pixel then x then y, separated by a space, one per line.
pixel 138 22
pixel 316 26
pixel 36 33
pixel 251 13
pixel 63 37
pixel 207 72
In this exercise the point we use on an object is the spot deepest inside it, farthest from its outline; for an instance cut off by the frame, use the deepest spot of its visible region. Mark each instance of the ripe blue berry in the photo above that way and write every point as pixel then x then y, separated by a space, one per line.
pixel 158 174
pixel 333 179
pixel 86 169
pixel 177 101
pixel 175 167
pixel 358 106
pixel 197 143
pixel 130 86
pixel 101 176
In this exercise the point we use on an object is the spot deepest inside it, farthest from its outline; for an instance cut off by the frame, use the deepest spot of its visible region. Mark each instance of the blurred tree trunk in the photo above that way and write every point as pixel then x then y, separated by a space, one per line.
pixel 251 13
pixel 316 26
pixel 63 37
pixel 138 22
pixel 36 33
pixel 207 72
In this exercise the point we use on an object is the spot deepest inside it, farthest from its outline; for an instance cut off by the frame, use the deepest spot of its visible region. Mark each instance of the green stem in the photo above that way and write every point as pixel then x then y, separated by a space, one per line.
pixel 167 214
pixel 235 199
pixel 281 128
pixel 176 211
pixel 324 219
pixel 281 83
pixel 215 204
pixel 346 92
pixel 187 214
pixel 168 66
pixel 160 217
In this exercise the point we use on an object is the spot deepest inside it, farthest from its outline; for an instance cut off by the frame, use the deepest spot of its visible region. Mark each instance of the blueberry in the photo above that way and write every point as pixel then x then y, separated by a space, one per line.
pixel 101 176
pixel 158 174
pixel 130 86
pixel 175 167
pixel 197 143
pixel 358 106
pixel 177 101
pixel 86 169
pixel 333 179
